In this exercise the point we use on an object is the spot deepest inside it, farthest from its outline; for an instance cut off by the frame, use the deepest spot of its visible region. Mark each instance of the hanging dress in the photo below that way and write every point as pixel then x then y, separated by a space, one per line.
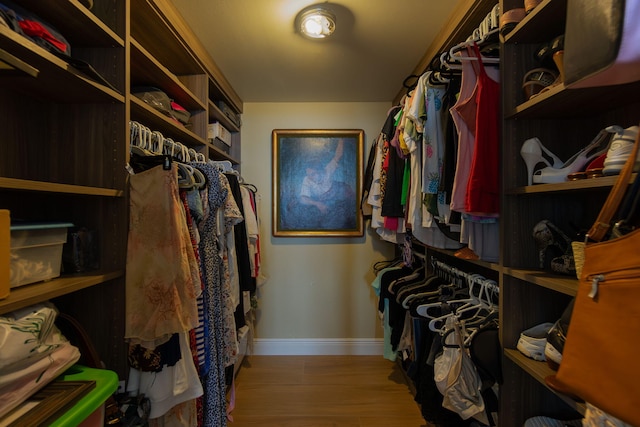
pixel 160 288
pixel 213 379
pixel 483 190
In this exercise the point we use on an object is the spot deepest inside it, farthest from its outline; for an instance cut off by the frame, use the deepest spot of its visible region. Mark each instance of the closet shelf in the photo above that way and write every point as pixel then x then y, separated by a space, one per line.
pixel 565 284
pixel 217 154
pixel 75 22
pixel 216 113
pixel 147 71
pixel 539 371
pixel 156 32
pixel 56 79
pixel 52 187
pixel 543 23
pixel 156 121
pixel 24 296
pixel 488 265
pixel 582 184
pixel 562 102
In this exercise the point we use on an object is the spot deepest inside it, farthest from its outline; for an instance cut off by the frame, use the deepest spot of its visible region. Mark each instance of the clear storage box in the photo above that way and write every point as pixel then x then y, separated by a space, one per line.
pixel 36 252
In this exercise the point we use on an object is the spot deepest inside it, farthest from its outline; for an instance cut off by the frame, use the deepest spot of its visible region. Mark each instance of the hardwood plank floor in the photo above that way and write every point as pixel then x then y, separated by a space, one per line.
pixel 323 391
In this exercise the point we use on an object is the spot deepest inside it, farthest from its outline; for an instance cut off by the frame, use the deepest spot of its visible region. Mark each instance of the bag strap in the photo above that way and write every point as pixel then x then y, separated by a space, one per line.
pixel 603 222
pixel 75 333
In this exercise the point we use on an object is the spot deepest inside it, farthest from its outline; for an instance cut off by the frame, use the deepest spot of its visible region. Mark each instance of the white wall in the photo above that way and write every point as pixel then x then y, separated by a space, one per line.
pixel 317 289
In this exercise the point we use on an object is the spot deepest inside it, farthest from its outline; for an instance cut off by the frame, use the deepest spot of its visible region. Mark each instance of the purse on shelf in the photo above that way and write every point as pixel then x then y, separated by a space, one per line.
pixel 600 356
pixel 602 40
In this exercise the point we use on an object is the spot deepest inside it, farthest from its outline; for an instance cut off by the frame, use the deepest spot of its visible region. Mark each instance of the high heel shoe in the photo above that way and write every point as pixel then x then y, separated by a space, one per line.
pixel 577 162
pixel 550 240
pixel 531 152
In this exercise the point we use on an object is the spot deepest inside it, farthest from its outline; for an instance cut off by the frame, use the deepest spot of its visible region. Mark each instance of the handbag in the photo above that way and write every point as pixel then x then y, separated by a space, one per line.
pixel 457 379
pixel 600 356
pixel 601 43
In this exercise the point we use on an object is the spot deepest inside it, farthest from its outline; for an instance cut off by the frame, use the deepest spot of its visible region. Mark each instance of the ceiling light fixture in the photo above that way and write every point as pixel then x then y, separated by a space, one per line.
pixel 316 23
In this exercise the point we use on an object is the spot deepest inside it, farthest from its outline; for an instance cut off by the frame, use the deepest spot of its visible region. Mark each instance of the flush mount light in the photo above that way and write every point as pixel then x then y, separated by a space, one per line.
pixel 316 23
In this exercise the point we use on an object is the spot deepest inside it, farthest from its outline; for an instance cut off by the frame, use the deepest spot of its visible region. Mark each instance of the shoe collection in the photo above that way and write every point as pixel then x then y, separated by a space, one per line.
pixel 533 341
pixel 545 342
pixel 604 155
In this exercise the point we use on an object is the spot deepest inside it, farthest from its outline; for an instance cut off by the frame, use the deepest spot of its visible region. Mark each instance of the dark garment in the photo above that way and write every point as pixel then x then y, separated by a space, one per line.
pixel 396 313
pixel 247 282
pixel 392 203
pixel 144 359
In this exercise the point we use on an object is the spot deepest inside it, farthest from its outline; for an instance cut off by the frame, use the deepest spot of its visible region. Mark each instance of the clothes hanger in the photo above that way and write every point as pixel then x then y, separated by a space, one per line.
pixel 250 187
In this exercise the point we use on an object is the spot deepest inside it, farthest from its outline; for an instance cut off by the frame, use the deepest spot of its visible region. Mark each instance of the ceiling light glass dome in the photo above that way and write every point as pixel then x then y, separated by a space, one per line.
pixel 317 23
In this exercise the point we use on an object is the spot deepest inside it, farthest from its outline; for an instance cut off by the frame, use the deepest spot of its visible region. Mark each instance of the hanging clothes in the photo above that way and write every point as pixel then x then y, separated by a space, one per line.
pixel 483 192
pixel 162 277
pixel 213 379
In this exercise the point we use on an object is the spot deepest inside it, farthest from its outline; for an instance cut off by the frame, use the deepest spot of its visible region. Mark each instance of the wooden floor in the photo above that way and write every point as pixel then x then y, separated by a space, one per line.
pixel 323 391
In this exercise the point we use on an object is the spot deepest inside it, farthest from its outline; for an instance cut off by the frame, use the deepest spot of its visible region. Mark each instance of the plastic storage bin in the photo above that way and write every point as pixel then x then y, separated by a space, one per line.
pixel 36 252
pixel 88 411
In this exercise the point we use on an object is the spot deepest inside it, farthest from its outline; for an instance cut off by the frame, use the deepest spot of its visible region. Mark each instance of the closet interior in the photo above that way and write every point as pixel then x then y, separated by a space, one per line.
pixel 72 126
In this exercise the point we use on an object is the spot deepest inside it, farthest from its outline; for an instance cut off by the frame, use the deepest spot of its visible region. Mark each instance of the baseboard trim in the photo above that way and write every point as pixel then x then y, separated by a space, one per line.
pixel 318 346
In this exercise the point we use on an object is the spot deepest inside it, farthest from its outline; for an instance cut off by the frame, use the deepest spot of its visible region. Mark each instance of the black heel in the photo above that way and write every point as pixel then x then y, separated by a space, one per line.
pixel 550 238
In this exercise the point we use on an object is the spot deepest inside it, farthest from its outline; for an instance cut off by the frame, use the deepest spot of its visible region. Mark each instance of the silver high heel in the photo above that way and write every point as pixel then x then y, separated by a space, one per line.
pixel 531 152
pixel 576 163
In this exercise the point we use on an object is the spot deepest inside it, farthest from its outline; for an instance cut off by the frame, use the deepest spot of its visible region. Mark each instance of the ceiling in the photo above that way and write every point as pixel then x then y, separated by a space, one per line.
pixel 376 45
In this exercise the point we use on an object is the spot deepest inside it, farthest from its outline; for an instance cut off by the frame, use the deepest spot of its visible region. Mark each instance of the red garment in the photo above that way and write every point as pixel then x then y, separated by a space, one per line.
pixel 483 190
pixel 35 29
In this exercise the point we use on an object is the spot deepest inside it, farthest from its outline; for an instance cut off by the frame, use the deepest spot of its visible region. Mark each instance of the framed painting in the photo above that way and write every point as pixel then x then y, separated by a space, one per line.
pixel 317 180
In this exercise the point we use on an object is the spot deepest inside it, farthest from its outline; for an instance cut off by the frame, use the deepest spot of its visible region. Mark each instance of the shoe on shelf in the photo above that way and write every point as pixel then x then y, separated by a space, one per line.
pixel 620 149
pixel 556 337
pixel 532 152
pixel 552 244
pixel 532 341
pixel 576 163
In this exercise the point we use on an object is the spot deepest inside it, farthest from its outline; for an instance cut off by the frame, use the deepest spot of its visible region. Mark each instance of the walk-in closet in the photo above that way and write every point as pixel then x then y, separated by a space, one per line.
pixel 305 213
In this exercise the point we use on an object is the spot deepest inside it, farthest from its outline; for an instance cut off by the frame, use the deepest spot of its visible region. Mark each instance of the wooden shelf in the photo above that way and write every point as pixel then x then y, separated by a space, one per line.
pixel 582 184
pixel 156 121
pixel 147 71
pixel 563 284
pixel 155 32
pixel 539 371
pixel 451 253
pixel 216 113
pixel 57 80
pixel 543 23
pixel 562 102
pixel 217 154
pixel 34 293
pixel 52 187
pixel 75 22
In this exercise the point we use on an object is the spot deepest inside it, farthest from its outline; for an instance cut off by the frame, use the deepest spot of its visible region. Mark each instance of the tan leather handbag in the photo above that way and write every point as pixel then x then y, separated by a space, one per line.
pixel 600 357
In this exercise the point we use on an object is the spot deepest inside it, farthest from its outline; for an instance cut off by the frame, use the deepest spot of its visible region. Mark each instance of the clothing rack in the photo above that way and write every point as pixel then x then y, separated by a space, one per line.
pixel 145 141
pixel 489 289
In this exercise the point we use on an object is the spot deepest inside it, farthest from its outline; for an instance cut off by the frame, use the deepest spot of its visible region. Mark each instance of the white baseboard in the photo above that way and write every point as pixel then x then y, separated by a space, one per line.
pixel 317 346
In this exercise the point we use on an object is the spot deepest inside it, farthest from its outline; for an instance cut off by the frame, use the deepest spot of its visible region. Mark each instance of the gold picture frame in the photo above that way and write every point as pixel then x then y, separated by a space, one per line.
pixel 317 180
pixel 42 407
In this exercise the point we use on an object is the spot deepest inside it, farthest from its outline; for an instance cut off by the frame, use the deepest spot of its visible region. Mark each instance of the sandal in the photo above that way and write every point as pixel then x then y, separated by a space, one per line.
pixel 576 163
